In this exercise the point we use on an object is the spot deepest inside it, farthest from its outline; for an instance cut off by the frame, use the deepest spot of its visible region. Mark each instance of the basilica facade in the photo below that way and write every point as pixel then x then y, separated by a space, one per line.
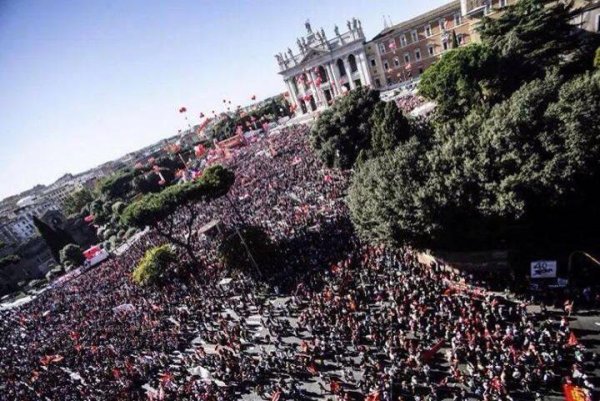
pixel 324 68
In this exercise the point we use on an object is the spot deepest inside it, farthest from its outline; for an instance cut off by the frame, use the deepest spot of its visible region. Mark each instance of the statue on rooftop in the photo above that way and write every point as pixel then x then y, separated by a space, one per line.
pixel 308 27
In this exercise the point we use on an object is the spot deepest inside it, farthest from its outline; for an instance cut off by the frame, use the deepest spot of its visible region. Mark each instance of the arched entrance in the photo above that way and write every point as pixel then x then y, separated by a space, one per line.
pixel 341 67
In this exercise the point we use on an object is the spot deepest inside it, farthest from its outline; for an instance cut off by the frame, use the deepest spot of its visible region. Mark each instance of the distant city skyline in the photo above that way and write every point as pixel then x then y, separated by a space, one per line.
pixel 88 82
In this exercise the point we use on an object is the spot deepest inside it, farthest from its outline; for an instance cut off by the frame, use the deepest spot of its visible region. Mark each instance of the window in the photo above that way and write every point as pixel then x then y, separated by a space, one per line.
pixel 427 30
pixel 381 48
pixel 403 40
pixel 502 3
pixel 417 54
pixel 414 36
pixel 406 58
pixel 430 50
pixel 377 83
pixel 373 63
pixel 598 24
pixel 442 24
pixel 386 66
pixel 457 19
pixel 445 44
pixel 420 71
pixel 396 62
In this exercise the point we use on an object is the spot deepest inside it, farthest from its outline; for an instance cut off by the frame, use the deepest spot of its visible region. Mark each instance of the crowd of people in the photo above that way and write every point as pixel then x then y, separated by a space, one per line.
pixel 408 103
pixel 340 319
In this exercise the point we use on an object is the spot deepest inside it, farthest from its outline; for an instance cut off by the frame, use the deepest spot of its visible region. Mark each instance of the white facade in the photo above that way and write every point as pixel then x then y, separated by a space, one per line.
pixel 324 68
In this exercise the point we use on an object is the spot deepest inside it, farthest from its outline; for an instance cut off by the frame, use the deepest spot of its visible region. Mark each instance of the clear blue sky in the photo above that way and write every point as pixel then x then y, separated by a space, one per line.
pixel 86 81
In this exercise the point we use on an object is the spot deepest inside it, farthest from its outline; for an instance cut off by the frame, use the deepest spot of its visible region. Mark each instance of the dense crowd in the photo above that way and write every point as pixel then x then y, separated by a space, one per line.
pixel 342 320
pixel 408 103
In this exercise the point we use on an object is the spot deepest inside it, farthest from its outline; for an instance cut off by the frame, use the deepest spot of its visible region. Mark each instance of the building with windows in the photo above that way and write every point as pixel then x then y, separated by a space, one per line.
pixel 324 68
pixel 589 16
pixel 401 52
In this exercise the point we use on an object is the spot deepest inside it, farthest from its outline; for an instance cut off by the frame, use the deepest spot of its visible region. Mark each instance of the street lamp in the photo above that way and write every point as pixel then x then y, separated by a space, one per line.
pixel 252 260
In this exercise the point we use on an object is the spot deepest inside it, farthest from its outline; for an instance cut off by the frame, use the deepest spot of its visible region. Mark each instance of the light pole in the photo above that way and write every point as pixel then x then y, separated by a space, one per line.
pixel 587 255
pixel 252 260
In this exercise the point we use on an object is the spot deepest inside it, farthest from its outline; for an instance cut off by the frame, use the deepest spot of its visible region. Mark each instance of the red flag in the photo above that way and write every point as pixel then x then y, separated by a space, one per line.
pixel 335 386
pixel 374 396
pixel 276 395
pixel 166 377
pixel 572 341
pixel 575 393
pixel 312 368
pixel 429 354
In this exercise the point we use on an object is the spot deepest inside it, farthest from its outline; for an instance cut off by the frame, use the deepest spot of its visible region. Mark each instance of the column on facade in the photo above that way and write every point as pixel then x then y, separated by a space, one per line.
pixel 363 65
pixel 313 85
pixel 348 72
pixel 296 94
pixel 292 92
pixel 333 79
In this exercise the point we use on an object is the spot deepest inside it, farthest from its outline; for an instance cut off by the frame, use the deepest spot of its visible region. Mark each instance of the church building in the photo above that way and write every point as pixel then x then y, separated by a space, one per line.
pixel 324 68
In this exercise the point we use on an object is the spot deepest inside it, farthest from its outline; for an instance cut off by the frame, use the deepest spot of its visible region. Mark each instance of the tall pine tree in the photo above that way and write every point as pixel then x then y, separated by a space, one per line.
pixel 55 239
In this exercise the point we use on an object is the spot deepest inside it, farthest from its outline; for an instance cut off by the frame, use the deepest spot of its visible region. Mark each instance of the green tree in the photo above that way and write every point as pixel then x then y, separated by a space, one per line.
pixel 386 198
pixel 71 255
pixel 597 58
pixel 522 171
pixel 389 128
pixel 342 131
pixel 118 207
pixel 77 200
pixel 55 239
pixel 462 79
pixel 117 185
pixel 9 260
pixel 154 265
pixel 532 35
pixel 158 210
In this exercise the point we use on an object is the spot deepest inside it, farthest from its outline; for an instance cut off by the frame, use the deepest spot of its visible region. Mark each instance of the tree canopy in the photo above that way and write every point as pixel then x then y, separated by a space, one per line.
pixel 389 128
pixel 153 265
pixel 491 177
pixel 55 239
pixel 343 130
pixel 154 209
pixel 463 78
pixel 71 255
pixel 9 260
pixel 77 200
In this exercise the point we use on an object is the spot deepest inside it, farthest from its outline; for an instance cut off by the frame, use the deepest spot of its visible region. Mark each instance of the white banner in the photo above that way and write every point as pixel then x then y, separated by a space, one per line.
pixel 543 269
